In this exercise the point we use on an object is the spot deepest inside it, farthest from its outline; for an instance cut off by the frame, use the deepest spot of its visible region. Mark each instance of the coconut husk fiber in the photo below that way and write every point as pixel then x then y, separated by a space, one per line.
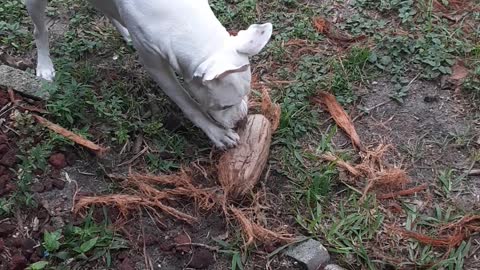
pixel 238 170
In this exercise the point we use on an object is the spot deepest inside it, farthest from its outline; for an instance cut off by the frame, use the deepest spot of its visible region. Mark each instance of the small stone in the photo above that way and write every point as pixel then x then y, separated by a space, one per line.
pixel 333 267
pixel 21 81
pixel 312 254
pixel 58 161
pixel 201 259
pixel 2 245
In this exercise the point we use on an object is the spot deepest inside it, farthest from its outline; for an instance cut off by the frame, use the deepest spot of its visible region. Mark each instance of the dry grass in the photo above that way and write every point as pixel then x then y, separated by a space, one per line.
pixel 449 236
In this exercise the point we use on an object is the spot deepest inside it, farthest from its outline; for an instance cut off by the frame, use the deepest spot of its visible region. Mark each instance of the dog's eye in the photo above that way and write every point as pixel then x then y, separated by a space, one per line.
pixel 226 107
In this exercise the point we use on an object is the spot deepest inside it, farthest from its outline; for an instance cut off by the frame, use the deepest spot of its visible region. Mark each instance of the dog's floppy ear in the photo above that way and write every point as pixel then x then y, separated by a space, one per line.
pixel 252 40
pixel 220 65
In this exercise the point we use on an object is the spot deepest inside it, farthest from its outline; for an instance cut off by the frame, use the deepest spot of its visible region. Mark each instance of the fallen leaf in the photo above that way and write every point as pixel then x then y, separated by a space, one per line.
pixel 321 25
pixel 328 29
pixel 341 117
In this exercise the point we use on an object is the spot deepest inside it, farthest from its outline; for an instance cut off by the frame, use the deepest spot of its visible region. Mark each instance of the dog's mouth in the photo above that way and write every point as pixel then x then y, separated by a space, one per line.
pixel 237 125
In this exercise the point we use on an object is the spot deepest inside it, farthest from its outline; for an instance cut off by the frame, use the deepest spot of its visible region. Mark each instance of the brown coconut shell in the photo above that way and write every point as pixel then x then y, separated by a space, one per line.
pixel 240 168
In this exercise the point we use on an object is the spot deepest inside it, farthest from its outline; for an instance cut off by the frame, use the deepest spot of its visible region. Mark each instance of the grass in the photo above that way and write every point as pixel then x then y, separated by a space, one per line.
pixel 113 102
pixel 77 246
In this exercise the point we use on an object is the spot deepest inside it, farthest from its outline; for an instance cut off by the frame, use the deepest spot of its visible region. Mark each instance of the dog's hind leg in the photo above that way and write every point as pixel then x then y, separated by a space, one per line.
pixel 123 31
pixel 36 10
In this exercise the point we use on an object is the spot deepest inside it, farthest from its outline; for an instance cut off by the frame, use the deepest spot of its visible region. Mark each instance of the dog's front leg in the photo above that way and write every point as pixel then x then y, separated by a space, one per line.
pixel 164 75
pixel 36 10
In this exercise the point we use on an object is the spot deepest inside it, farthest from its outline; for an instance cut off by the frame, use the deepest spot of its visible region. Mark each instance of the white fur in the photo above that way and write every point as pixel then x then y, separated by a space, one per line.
pixel 185 37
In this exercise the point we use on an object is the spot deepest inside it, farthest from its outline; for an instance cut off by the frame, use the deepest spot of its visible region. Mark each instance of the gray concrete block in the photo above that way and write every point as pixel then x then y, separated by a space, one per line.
pixel 23 82
pixel 312 254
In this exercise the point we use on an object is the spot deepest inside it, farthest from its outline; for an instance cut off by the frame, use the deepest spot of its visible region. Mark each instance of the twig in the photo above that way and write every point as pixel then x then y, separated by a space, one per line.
pixel 74 197
pixel 70 135
pixel 148 262
pixel 368 110
pixel 137 145
pixel 212 248
pixel 11 95
pixel 130 161
pixel 404 192
pixel 475 172
pixel 341 163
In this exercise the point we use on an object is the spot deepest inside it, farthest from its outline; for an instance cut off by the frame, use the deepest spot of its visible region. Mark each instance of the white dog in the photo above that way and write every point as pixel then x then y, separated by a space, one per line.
pixel 182 36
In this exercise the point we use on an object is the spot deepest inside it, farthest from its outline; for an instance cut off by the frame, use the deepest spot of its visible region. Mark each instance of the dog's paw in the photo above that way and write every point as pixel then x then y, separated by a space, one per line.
pixel 224 138
pixel 46 71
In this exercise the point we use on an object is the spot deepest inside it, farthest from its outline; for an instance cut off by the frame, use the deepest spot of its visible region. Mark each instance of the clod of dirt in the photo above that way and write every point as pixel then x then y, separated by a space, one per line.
pixel 37 187
pixel 58 183
pixel 47 184
pixel 122 255
pixel 9 158
pixel 28 247
pixel 201 259
pixel 3 149
pixel 127 264
pixel 18 262
pixel 70 158
pixel 15 242
pixel 431 99
pixel 182 242
pixel 166 247
pixel 6 229
pixel 150 240
pixel 4 180
pixel 58 161
pixel 3 99
pixel 3 138
pixel 270 248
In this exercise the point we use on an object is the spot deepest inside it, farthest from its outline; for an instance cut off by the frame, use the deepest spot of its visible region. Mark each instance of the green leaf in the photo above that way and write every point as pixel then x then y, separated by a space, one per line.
pixel 85 247
pixel 385 60
pixel 38 265
pixel 51 240
pixel 237 262
pixel 62 255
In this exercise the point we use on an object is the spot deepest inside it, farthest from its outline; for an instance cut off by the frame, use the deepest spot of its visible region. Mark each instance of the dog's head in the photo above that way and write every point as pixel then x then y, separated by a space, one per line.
pixel 221 83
